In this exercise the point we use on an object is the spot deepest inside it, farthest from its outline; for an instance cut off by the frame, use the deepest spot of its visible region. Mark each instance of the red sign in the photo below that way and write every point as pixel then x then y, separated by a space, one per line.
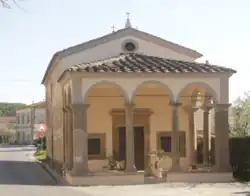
pixel 42 130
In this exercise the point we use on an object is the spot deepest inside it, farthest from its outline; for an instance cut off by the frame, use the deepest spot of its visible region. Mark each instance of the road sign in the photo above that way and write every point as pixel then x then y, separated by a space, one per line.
pixel 42 130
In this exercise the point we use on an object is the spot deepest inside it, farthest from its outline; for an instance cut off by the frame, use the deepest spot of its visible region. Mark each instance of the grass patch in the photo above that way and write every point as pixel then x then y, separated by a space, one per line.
pixel 41 155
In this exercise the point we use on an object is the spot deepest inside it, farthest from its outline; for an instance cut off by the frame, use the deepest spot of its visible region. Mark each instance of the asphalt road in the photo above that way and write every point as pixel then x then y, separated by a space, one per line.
pixel 20 176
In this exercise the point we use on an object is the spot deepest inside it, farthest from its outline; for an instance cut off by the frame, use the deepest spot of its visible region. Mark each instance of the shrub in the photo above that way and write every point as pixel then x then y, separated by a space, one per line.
pixel 240 157
pixel 41 155
pixel 242 171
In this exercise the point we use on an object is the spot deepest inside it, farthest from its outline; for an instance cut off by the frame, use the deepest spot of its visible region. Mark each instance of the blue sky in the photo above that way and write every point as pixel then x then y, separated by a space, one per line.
pixel 218 29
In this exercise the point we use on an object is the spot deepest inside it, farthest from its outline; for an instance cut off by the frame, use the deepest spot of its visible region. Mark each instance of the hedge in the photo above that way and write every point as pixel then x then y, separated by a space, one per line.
pixel 240 157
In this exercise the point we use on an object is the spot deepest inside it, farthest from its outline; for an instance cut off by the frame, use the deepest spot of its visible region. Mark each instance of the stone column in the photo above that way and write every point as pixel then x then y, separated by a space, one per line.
pixel 80 139
pixel 130 152
pixel 222 159
pixel 64 137
pixel 175 150
pixel 68 130
pixel 191 132
pixel 206 110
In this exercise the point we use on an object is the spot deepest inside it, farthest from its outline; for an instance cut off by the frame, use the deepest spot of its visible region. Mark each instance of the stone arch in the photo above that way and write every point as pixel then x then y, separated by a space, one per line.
pixel 86 95
pixel 159 83
pixel 204 85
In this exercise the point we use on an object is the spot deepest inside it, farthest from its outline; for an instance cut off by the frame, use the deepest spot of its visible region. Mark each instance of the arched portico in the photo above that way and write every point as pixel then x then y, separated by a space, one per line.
pixel 152 96
pixel 200 87
pixel 163 88
pixel 112 84
pixel 107 109
pixel 104 110
pixel 202 97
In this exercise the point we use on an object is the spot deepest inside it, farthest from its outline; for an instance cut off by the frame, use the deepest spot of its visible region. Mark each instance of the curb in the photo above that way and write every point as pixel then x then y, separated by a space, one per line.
pixel 59 180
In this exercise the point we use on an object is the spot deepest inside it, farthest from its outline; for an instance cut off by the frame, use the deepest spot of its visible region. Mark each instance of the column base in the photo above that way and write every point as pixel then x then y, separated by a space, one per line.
pixel 222 169
pixel 206 164
pixel 176 168
pixel 130 169
pixel 192 166
pixel 79 170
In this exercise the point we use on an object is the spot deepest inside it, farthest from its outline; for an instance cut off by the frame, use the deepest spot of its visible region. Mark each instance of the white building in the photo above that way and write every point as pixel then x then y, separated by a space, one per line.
pixel 28 120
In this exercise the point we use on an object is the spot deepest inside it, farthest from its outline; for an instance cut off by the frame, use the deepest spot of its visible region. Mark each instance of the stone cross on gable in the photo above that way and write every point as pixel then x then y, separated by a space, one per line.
pixel 113 28
pixel 128 15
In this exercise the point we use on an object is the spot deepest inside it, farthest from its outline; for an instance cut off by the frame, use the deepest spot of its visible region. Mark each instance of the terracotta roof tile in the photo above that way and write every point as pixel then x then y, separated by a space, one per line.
pixel 134 62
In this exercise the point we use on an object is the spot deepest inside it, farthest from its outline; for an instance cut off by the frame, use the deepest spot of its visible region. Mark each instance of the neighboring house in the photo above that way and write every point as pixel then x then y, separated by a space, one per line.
pixel 28 120
pixel 7 129
pixel 126 94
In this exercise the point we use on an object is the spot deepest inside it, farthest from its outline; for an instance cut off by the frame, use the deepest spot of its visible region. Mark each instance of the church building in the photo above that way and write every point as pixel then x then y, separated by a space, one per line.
pixel 120 97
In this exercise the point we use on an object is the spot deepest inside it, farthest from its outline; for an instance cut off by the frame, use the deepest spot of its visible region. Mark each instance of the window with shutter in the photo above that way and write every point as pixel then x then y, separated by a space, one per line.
pixel 164 142
pixel 96 145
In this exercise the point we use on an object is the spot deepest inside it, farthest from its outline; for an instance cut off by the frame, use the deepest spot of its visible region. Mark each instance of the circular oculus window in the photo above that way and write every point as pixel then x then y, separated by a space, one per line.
pixel 129 46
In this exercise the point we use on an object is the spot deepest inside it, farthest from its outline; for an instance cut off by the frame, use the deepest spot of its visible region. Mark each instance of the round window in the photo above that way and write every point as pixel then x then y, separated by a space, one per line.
pixel 129 46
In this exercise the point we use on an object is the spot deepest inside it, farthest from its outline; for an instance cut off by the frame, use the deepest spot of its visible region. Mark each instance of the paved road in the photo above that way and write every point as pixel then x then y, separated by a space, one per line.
pixel 19 176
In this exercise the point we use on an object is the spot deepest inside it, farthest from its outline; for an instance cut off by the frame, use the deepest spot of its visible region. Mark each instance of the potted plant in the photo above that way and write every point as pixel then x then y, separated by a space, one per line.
pixel 112 163
pixel 158 156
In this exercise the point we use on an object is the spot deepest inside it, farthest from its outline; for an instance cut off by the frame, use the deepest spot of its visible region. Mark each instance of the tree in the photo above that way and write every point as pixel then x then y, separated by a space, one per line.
pixel 9 3
pixel 9 109
pixel 240 119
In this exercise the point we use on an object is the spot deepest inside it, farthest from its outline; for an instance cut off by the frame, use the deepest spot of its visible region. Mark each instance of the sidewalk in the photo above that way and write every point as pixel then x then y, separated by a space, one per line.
pixel 56 177
pixel 59 179
pixel 31 156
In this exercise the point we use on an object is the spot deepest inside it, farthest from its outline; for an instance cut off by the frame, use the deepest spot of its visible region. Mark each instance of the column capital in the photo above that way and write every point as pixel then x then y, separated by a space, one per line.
pixel 78 107
pixel 190 108
pixel 222 107
pixel 206 108
pixel 129 105
pixel 175 104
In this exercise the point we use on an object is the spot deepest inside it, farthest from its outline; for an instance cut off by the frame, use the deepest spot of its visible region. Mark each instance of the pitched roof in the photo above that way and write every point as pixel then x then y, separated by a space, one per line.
pixel 41 104
pixel 7 119
pixel 119 34
pixel 139 63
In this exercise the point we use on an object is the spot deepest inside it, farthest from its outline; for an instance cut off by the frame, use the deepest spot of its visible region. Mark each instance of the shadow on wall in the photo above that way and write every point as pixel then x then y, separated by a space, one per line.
pixel 24 173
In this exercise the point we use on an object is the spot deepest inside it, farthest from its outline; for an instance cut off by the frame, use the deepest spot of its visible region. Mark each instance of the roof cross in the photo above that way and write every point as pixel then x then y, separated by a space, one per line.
pixel 113 28
pixel 128 23
pixel 128 15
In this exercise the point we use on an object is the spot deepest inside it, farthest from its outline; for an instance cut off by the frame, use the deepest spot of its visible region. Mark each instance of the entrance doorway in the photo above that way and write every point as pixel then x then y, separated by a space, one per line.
pixel 138 146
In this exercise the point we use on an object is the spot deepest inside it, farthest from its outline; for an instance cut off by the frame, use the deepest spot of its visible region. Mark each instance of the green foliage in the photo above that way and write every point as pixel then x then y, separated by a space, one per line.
pixel 240 117
pixel 9 109
pixel 41 155
pixel 112 163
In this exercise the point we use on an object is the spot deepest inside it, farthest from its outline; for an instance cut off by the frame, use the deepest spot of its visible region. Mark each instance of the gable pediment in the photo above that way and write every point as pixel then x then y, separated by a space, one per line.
pixel 130 32
pixel 119 35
